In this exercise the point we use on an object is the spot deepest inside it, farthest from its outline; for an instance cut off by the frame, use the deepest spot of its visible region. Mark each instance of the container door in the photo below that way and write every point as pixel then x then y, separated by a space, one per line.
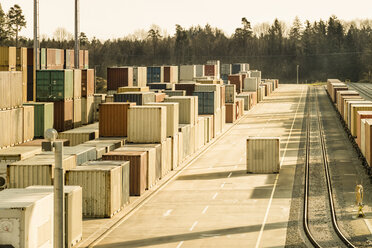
pixel 43 85
pixel 57 85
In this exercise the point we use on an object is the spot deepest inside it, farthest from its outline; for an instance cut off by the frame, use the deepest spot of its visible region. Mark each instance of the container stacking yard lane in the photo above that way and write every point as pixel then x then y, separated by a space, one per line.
pixel 214 202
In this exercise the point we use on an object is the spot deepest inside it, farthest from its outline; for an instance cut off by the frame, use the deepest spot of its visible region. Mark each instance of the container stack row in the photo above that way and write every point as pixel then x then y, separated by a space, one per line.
pixel 356 113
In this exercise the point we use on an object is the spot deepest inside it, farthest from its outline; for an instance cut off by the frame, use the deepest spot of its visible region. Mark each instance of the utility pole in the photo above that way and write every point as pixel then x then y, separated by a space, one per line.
pixel 77 32
pixel 36 44
pixel 298 66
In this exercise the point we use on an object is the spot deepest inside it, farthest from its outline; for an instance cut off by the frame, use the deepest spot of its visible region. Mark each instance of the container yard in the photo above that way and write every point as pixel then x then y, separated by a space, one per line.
pixel 154 140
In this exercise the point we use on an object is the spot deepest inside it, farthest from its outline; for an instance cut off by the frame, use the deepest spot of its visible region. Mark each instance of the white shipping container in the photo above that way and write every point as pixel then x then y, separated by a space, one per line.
pixel 172 116
pixel 87 110
pixel 199 71
pixel 180 148
pixel 18 153
pixel 230 93
pixel 223 117
pixel 80 135
pixel 147 124
pixel 187 72
pixel 217 123
pixel 199 133
pixel 10 89
pixel 140 76
pixel 16 126
pixel 5 126
pixel 102 189
pixel 168 155
pixel 186 108
pixel 28 123
pixel 73 211
pixel 192 140
pixel 263 155
pixel 250 84
pixel 26 218
pixel 38 170
pixel 175 145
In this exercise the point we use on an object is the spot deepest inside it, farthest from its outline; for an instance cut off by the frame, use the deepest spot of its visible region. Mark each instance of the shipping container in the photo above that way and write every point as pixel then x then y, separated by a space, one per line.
pixel 250 84
pixel 364 137
pixel 140 76
pixel 87 82
pixel 147 124
pixel 187 145
pixel 28 123
pixel 54 85
pixel 113 119
pixel 346 107
pixel 230 112
pixel 340 107
pixel 180 148
pixel 175 153
pixel 263 155
pixel 86 59
pixel 138 169
pixel 199 133
pixel 361 115
pixel 247 100
pixel 63 115
pixel 187 72
pixel 223 95
pixel 133 89
pixel 77 83
pixel 17 153
pixel 109 144
pixel 81 59
pixel 102 189
pixel 119 77
pixel 26 218
pixel 223 117
pixel 80 135
pixel 87 110
pixel 188 87
pixel 82 153
pixel 98 99
pixel 172 110
pixel 354 116
pixel 187 106
pixel 38 170
pixel 31 87
pixel 125 175
pixel 73 212
pixel 230 95
pixel 211 87
pixel 21 65
pixel 206 102
pixel 239 107
pixel 168 157
pixel 77 113
pixel 210 70
pixel 140 98
pixel 217 123
pixel 69 62
pixel 43 58
pixel 347 110
pixel 10 90
pixel 8 58
pixel 38 142
pixel 159 97
pixel 154 74
pixel 175 92
pixel 151 162
pixel 226 69
pixel 368 141
pixel 43 117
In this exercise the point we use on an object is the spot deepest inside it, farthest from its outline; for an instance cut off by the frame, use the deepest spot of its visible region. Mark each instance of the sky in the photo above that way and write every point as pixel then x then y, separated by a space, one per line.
pixel 107 19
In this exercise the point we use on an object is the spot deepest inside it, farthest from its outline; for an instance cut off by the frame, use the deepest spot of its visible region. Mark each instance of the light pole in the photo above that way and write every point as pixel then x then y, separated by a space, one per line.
pixel 298 66
pixel 36 45
pixel 77 31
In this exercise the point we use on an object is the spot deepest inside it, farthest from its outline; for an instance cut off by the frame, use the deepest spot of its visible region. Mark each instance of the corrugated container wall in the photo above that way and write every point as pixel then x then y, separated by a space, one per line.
pixel 28 123
pixel 140 98
pixel 43 117
pixel 10 90
pixel 54 85
pixel 172 116
pixel 187 72
pixel 119 77
pixel 187 114
pixel 7 58
pixel 87 82
pixel 87 110
pixel 263 155
pixel 113 119
pixel 147 124
pixel 63 115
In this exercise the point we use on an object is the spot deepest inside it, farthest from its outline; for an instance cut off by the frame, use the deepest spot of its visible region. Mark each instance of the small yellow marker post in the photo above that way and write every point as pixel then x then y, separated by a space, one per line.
pixel 359 200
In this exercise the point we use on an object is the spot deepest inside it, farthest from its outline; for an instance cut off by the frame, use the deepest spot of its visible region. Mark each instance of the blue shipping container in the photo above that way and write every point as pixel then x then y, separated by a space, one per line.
pixel 153 75
pixel 236 68
pixel 205 102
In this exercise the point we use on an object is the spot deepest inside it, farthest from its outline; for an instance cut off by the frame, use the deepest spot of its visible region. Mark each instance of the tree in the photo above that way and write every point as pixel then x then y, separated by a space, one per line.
pixel 83 39
pixel 61 34
pixel 182 42
pixel 154 36
pixel 3 31
pixel 16 21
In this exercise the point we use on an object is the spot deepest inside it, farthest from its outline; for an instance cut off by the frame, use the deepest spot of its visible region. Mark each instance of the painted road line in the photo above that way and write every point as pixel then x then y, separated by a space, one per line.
pixel 179 244
pixel 277 176
pixel 205 209
pixel 193 226
pixel 229 175
pixel 215 195
pixel 222 185
pixel 168 212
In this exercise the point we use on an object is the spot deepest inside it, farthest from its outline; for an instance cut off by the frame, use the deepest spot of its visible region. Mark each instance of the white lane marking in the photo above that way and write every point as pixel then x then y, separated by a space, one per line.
pixel 222 185
pixel 229 175
pixel 205 209
pixel 193 226
pixel 169 211
pixel 240 160
pixel 368 223
pixel 179 244
pixel 277 176
pixel 215 195
pixel 235 167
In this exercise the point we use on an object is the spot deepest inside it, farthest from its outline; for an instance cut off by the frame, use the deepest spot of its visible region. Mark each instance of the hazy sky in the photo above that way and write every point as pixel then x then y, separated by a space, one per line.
pixel 118 18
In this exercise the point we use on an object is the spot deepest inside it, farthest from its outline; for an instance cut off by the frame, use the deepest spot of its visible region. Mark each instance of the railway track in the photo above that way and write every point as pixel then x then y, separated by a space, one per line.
pixel 367 92
pixel 312 236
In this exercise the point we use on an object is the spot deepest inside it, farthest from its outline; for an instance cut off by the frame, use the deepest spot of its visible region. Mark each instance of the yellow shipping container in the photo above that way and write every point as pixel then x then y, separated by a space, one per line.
pixel 7 58
pixel 21 65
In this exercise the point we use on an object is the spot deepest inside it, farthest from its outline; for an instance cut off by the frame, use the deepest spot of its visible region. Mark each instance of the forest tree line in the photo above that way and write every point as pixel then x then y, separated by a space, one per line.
pixel 322 49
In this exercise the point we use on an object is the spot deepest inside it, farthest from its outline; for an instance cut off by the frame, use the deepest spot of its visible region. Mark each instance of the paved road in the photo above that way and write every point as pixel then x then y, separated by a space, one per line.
pixel 214 203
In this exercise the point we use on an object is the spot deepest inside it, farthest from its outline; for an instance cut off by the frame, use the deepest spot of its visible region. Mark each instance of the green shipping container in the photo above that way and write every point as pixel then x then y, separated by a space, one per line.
pixel 54 85
pixel 43 58
pixel 44 116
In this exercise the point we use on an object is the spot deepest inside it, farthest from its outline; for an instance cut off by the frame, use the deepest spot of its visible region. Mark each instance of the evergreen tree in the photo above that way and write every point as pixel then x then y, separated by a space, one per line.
pixel 16 21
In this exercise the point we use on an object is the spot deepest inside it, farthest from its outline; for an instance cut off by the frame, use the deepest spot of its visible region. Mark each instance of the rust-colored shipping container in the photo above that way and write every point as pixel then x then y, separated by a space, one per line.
pixel 113 119
pixel 159 97
pixel 119 77
pixel 210 70
pixel 237 81
pixel 63 115
pixel 138 169
pixel 361 115
pixel 223 93
pixel 230 112
pixel 342 102
pixel 335 90
pixel 239 107
pixel 188 87
pixel 167 74
pixel 30 56
pixel 87 82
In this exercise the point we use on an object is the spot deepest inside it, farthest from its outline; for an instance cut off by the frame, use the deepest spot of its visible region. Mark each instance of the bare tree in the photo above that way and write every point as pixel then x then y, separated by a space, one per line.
pixel 61 34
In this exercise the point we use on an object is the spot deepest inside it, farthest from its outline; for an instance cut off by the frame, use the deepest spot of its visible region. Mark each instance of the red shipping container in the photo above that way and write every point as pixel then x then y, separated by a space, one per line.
pixel 119 77
pixel 63 115
pixel 209 70
pixel 230 112
pixel 87 82
pixel 237 80
pixel 167 74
